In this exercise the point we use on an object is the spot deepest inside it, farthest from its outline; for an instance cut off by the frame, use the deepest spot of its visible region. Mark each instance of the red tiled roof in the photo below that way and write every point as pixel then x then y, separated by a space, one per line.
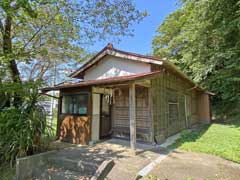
pixel 107 81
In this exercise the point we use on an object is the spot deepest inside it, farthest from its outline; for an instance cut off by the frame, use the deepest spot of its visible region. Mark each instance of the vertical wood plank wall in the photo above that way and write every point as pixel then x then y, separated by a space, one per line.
pixel 120 113
pixel 152 110
pixel 161 97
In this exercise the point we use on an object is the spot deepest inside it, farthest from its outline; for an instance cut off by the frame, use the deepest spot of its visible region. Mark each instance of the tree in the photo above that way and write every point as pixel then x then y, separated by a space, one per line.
pixel 43 33
pixel 203 39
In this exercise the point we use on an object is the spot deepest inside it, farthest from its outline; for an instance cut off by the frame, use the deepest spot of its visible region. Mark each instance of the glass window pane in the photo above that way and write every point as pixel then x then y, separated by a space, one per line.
pixel 83 104
pixel 75 104
pixel 105 106
pixel 67 104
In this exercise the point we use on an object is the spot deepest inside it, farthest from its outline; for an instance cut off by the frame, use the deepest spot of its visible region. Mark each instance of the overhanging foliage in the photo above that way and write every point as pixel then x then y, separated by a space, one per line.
pixel 203 39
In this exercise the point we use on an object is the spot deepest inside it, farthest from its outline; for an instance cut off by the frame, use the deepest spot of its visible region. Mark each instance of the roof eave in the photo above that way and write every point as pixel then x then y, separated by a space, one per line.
pixel 115 53
pixel 172 66
pixel 104 82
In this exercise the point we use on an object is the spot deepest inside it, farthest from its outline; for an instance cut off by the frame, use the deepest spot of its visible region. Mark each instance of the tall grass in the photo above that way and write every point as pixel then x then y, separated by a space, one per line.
pixel 23 128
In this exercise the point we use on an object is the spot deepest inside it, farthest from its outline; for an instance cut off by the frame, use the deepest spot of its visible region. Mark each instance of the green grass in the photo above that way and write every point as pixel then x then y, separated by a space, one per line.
pixel 6 172
pixel 217 139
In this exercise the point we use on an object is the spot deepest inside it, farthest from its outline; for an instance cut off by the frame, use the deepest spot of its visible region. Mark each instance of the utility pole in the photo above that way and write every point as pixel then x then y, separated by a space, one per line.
pixel 53 103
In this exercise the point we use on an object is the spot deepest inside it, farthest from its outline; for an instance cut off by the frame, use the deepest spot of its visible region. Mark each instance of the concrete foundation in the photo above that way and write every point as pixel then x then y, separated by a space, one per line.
pixel 31 166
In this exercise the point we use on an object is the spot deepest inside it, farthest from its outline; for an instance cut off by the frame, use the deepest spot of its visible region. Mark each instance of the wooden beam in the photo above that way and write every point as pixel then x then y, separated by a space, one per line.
pixel 49 95
pixel 134 58
pixel 132 116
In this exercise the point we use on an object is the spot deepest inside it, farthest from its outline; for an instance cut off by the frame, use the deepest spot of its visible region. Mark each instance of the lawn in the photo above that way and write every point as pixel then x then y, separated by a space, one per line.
pixel 217 139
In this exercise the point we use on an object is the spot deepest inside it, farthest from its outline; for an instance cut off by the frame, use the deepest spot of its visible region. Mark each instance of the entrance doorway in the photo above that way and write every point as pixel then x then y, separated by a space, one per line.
pixel 105 118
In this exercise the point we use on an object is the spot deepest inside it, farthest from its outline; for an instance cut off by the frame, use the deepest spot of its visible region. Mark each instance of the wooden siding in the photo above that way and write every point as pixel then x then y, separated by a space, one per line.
pixel 74 128
pixel 204 110
pixel 120 113
pixel 168 94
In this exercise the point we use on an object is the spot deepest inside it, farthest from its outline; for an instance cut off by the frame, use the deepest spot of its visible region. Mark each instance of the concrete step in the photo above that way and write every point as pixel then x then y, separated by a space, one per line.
pixel 54 173
pixel 86 168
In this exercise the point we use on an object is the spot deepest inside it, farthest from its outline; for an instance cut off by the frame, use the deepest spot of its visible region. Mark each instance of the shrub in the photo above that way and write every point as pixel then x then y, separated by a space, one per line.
pixel 21 133
pixel 23 128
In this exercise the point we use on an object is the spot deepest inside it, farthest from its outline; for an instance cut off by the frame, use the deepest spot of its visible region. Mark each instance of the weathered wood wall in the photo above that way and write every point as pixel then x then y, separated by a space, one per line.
pixel 74 128
pixel 120 113
pixel 204 109
pixel 168 93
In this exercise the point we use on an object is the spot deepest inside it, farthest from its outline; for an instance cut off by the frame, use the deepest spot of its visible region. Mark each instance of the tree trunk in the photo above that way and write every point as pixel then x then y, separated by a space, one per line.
pixel 7 49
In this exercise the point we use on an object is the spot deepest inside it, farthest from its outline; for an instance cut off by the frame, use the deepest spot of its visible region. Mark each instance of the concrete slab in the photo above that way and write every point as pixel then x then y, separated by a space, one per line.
pixel 170 140
pixel 58 145
pixel 128 168
pixel 181 165
pixel 30 166
pixel 53 173
pixel 140 147
pixel 162 155
pixel 83 161
pixel 74 161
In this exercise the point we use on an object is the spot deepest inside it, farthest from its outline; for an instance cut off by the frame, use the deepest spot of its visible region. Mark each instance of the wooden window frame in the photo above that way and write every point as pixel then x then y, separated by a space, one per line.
pixel 72 95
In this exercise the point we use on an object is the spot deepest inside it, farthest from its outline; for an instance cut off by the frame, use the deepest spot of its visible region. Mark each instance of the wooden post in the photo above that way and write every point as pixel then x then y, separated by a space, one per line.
pixel 132 115
pixel 150 108
pixel 58 116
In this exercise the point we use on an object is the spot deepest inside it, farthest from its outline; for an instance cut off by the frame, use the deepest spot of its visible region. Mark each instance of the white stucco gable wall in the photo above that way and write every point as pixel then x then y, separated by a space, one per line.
pixel 111 66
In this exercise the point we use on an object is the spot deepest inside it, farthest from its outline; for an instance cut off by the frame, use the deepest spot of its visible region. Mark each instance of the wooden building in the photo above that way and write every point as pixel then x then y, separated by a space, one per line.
pixel 130 96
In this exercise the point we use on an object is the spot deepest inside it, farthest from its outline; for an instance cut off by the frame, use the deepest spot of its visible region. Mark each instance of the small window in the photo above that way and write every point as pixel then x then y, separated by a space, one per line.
pixel 173 112
pixel 75 104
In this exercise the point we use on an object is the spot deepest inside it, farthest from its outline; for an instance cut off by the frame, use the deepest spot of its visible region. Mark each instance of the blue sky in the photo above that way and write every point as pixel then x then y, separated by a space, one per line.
pixel 144 32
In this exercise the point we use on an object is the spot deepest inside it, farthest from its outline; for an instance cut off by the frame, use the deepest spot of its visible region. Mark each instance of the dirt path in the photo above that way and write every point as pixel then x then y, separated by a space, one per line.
pixel 181 165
